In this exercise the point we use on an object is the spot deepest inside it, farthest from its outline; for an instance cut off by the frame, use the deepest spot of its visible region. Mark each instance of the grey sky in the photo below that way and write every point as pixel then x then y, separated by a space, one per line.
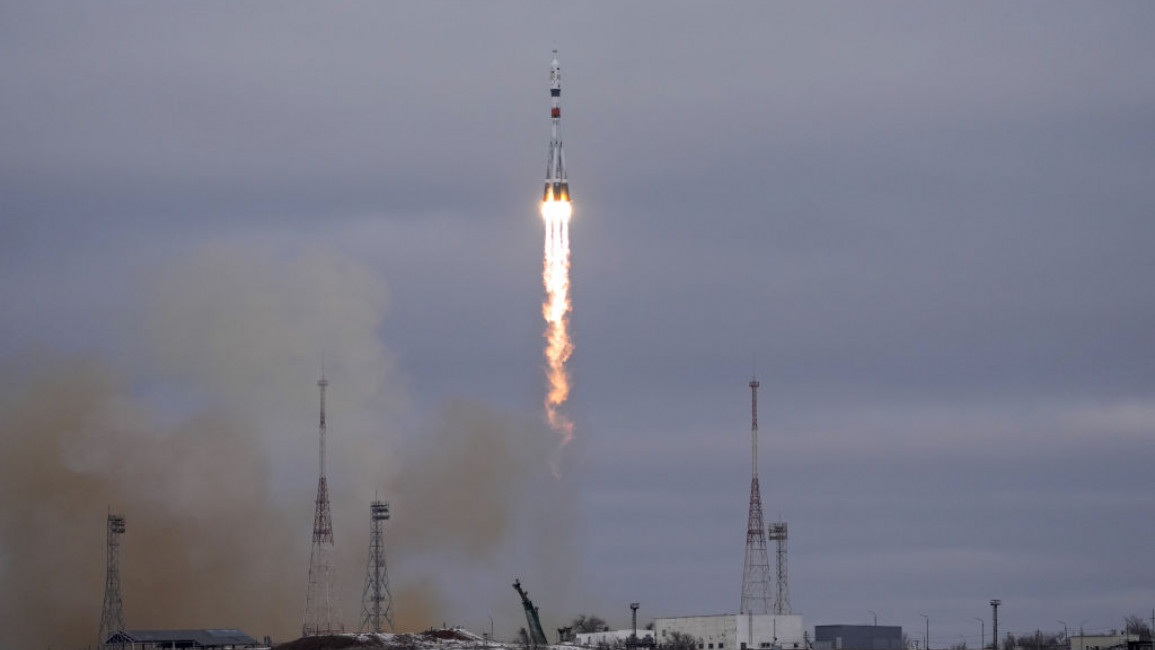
pixel 929 225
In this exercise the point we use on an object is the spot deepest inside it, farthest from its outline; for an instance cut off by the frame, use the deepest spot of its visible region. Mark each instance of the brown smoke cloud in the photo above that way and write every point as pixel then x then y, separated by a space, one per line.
pixel 203 434
pixel 203 539
pixel 477 506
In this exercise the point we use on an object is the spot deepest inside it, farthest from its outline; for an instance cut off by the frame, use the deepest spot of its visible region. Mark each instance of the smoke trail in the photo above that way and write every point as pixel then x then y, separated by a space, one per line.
pixel 556 310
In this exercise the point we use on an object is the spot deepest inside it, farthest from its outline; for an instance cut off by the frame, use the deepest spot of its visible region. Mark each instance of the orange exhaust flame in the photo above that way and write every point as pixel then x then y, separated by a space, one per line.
pixel 555 309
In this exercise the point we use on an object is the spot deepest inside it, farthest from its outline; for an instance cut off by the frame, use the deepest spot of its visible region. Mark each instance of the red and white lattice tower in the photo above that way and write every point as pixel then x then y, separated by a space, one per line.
pixel 112 615
pixel 321 615
pixel 756 569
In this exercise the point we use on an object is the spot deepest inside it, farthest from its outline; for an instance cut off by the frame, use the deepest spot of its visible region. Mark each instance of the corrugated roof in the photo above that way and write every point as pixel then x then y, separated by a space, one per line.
pixel 201 638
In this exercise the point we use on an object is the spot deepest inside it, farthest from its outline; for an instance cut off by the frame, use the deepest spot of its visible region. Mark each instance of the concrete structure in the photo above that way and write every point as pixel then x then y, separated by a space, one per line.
pixel 219 639
pixel 857 637
pixel 736 631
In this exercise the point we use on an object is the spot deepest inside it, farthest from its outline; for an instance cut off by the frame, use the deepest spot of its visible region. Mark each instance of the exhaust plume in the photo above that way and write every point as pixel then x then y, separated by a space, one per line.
pixel 555 309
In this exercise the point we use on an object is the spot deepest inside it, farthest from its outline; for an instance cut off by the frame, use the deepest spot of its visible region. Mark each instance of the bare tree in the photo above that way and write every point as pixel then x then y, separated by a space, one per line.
pixel 1133 624
pixel 584 624
pixel 680 641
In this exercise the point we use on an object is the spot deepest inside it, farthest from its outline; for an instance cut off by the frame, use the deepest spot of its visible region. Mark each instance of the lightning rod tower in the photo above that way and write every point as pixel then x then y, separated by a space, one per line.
pixel 777 533
pixel 320 609
pixel 377 603
pixel 112 615
pixel 756 569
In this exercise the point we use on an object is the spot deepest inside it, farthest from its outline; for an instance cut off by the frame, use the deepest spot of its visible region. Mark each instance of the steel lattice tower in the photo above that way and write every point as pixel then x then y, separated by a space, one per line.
pixel 112 615
pixel 777 533
pixel 377 603
pixel 756 569
pixel 320 609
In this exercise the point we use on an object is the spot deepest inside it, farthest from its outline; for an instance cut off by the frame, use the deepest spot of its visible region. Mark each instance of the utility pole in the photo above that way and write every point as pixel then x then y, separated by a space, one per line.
pixel 982 633
pixel 875 617
pixel 927 637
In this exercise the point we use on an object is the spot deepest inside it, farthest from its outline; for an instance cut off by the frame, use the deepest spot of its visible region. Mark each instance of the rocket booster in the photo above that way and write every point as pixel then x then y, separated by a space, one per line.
pixel 556 185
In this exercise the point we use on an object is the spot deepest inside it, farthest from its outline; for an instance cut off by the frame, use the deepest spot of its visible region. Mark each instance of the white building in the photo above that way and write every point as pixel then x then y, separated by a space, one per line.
pixel 735 631
pixel 1102 641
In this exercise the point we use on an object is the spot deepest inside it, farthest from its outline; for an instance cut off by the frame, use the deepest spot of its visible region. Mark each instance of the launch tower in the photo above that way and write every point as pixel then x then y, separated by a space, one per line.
pixel 320 609
pixel 112 615
pixel 377 603
pixel 756 569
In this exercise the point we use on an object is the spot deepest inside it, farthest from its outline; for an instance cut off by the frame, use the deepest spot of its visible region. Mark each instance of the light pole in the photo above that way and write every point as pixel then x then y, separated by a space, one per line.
pixel 875 617
pixel 634 615
pixel 995 602
pixel 926 638
pixel 982 633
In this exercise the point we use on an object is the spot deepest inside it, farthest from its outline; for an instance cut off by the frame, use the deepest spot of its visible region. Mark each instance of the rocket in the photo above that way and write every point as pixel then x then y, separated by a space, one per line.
pixel 556 185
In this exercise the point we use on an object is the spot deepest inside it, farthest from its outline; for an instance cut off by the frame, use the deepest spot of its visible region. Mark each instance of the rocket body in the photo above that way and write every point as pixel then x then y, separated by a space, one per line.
pixel 556 185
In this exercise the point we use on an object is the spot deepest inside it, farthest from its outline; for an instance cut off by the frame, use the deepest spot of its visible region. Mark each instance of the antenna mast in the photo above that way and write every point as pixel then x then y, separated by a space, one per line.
pixel 376 599
pixel 112 616
pixel 320 610
pixel 756 568
pixel 782 597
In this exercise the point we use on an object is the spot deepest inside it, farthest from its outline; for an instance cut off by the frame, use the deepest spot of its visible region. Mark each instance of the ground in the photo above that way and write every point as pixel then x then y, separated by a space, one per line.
pixel 444 639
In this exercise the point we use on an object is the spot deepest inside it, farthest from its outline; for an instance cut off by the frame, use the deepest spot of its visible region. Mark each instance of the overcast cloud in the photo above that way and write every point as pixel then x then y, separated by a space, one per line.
pixel 929 227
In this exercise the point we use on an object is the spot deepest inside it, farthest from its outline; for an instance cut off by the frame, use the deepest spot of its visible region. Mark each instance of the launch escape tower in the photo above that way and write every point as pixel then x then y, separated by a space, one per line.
pixel 320 609
pixel 756 568
pixel 777 533
pixel 377 603
pixel 112 615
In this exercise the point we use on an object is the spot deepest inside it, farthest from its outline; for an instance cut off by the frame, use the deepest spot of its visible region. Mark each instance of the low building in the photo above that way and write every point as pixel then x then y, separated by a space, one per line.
pixel 735 631
pixel 857 637
pixel 215 639
pixel 1102 641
